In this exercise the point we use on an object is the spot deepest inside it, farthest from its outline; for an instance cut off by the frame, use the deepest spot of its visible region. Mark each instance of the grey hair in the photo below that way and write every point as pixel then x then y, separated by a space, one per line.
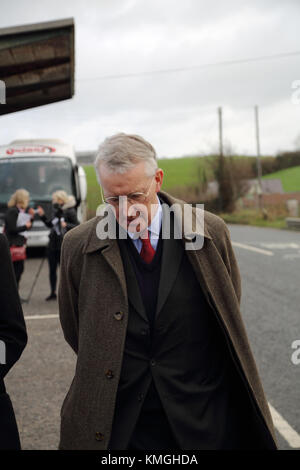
pixel 121 152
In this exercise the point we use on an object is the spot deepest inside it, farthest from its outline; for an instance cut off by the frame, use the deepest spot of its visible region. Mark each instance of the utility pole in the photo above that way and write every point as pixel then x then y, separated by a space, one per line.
pixel 221 160
pixel 220 132
pixel 258 161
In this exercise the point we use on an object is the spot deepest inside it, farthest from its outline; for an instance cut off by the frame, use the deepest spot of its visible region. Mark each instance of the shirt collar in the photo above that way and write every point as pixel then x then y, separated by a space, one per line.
pixel 155 225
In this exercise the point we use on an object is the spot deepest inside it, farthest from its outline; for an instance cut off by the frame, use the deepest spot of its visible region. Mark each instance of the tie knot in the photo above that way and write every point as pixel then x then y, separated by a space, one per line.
pixel 145 238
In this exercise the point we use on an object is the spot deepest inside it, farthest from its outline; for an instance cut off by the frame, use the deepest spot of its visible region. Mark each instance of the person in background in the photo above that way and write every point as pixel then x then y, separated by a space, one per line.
pixel 18 220
pixel 13 339
pixel 64 219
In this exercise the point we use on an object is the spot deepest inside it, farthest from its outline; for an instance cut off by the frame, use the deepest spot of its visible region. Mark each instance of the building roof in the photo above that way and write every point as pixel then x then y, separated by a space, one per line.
pixel 37 64
pixel 269 186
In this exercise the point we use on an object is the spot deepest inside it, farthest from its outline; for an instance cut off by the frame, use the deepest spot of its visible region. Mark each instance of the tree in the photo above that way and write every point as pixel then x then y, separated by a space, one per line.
pixel 232 174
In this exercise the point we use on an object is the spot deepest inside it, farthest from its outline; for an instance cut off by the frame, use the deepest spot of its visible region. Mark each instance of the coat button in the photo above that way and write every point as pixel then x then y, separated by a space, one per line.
pixel 99 436
pixel 118 315
pixel 152 362
pixel 109 374
pixel 140 397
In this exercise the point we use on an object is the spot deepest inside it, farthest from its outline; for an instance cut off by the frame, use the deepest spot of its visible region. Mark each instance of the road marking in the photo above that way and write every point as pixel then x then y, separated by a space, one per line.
pixel 281 246
pixel 283 427
pixel 290 256
pixel 40 317
pixel 253 248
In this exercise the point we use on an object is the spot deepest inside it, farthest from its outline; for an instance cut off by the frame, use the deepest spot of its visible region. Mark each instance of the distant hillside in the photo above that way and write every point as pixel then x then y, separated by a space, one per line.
pixel 178 173
pixel 290 178
pixel 184 171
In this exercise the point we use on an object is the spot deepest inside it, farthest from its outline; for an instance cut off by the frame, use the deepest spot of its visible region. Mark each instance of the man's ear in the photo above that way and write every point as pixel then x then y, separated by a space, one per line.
pixel 159 176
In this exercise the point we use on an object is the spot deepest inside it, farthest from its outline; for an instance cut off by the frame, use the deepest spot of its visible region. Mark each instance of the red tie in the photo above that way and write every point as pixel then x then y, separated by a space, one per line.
pixel 147 252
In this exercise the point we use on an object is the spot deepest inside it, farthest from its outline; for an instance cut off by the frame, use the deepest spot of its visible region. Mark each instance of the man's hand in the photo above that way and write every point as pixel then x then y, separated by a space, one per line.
pixel 28 224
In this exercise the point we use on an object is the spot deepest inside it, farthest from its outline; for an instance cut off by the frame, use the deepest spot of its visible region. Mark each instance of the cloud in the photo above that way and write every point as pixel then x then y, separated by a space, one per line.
pixel 176 110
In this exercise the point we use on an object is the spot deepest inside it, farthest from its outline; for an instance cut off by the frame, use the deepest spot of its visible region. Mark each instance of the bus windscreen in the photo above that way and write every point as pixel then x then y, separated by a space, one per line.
pixel 40 176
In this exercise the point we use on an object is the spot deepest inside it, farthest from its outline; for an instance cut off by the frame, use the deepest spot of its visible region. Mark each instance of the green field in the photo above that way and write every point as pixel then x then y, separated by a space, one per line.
pixel 290 178
pixel 178 172
pixel 255 218
pixel 93 194
pixel 186 172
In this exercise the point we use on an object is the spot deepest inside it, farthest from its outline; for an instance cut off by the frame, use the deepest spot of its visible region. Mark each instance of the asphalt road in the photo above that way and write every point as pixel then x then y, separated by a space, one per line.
pixel 270 309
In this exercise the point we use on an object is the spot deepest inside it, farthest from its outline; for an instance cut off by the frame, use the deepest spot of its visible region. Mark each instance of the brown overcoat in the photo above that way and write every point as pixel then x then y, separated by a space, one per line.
pixel 93 308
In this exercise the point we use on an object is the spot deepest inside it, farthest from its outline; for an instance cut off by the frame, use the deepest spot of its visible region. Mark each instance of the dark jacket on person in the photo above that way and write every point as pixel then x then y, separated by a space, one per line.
pixel 13 339
pixel 69 214
pixel 104 320
pixel 12 231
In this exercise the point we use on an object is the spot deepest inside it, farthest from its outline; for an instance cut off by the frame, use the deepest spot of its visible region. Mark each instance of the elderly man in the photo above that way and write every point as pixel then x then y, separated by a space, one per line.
pixel 163 359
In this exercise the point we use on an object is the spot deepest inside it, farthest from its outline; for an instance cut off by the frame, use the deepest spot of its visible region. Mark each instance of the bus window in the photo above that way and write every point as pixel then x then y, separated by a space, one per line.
pixel 40 176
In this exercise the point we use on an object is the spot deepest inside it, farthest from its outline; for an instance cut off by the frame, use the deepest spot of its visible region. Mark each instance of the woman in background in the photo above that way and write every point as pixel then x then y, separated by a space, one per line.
pixel 17 221
pixel 13 339
pixel 64 219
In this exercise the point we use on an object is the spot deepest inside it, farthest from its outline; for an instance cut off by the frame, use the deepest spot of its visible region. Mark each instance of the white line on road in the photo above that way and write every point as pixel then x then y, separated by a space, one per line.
pixel 283 427
pixel 253 248
pixel 281 246
pixel 289 256
pixel 40 317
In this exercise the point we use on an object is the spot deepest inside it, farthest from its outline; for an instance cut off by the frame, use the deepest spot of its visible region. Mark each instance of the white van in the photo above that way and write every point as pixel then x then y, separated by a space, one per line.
pixel 41 167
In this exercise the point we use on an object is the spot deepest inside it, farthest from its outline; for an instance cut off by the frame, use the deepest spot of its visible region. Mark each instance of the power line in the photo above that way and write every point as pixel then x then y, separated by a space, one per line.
pixel 192 67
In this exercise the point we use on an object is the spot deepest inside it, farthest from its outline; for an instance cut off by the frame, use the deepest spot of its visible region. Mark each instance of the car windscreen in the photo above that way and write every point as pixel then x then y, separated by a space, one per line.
pixel 41 176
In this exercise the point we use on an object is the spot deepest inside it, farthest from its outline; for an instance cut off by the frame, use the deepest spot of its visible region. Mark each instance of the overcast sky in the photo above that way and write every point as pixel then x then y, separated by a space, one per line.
pixel 177 111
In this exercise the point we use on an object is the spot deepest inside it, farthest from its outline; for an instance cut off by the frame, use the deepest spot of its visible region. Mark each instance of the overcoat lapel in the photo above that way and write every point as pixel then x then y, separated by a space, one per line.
pixel 113 258
pixel 109 249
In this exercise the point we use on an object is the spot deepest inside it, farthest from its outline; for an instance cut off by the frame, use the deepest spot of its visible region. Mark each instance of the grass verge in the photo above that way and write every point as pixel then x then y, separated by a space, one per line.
pixel 255 218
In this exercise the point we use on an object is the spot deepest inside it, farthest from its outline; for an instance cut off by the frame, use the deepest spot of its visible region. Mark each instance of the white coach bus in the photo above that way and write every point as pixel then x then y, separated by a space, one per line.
pixel 41 166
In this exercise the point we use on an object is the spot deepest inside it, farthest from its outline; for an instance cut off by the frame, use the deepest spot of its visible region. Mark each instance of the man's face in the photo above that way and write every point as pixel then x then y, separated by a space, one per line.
pixel 133 214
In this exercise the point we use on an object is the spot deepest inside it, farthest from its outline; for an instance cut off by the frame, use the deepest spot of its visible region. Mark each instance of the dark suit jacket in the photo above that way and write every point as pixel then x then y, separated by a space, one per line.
pixel 13 339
